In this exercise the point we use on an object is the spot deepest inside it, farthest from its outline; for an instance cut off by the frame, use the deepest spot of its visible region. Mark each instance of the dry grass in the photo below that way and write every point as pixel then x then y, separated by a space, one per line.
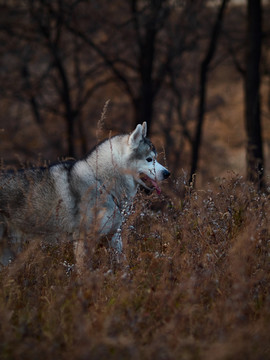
pixel 195 285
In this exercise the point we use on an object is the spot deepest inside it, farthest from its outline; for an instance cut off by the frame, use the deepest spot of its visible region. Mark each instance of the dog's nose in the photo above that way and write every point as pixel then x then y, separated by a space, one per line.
pixel 166 174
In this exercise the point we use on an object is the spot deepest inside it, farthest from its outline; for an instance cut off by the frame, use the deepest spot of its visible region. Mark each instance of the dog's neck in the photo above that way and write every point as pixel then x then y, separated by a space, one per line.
pixel 108 164
pixel 114 178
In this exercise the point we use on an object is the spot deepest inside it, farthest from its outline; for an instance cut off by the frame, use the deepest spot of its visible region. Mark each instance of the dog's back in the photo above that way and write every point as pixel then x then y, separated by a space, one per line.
pixel 30 200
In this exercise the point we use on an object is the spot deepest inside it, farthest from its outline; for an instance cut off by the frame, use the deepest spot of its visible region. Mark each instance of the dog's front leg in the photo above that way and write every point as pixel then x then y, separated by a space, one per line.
pixel 116 242
pixel 117 246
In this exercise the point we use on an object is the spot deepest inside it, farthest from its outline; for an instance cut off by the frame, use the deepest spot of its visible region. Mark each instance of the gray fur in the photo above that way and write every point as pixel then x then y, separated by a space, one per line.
pixel 79 198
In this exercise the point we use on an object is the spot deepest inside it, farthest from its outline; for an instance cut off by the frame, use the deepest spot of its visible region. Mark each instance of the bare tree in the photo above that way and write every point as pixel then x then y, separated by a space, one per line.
pixel 57 54
pixel 254 151
pixel 210 52
pixel 54 75
pixel 134 49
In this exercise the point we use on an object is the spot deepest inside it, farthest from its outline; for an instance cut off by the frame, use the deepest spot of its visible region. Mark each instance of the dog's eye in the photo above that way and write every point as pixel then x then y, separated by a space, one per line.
pixel 149 159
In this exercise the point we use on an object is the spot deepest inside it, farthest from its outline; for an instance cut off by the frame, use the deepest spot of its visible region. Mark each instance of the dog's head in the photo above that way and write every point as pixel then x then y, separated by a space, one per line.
pixel 143 159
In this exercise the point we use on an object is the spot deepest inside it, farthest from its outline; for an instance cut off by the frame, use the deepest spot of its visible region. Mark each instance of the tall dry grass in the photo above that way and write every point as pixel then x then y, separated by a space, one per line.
pixel 195 284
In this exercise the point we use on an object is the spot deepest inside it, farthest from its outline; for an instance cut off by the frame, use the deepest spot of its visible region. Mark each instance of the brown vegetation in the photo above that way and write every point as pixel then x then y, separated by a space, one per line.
pixel 194 285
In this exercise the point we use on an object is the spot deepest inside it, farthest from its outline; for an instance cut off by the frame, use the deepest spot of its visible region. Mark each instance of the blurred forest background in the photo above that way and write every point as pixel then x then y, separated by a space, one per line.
pixel 197 71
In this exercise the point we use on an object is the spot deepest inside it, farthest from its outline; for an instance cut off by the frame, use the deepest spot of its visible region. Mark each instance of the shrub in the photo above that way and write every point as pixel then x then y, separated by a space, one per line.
pixel 194 284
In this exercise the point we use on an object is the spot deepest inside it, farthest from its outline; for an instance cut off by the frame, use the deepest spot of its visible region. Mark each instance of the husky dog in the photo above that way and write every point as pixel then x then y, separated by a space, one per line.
pixel 75 198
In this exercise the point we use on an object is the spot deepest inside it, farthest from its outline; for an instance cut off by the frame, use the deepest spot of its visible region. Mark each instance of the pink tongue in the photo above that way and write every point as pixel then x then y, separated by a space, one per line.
pixel 158 190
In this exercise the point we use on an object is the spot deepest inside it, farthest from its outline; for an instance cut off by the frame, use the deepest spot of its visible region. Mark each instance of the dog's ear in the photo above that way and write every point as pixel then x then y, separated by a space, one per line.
pixel 136 136
pixel 144 129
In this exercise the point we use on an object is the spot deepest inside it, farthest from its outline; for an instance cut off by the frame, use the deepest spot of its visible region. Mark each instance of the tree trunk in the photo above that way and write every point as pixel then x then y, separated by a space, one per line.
pixel 144 106
pixel 254 151
pixel 203 87
pixel 66 98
